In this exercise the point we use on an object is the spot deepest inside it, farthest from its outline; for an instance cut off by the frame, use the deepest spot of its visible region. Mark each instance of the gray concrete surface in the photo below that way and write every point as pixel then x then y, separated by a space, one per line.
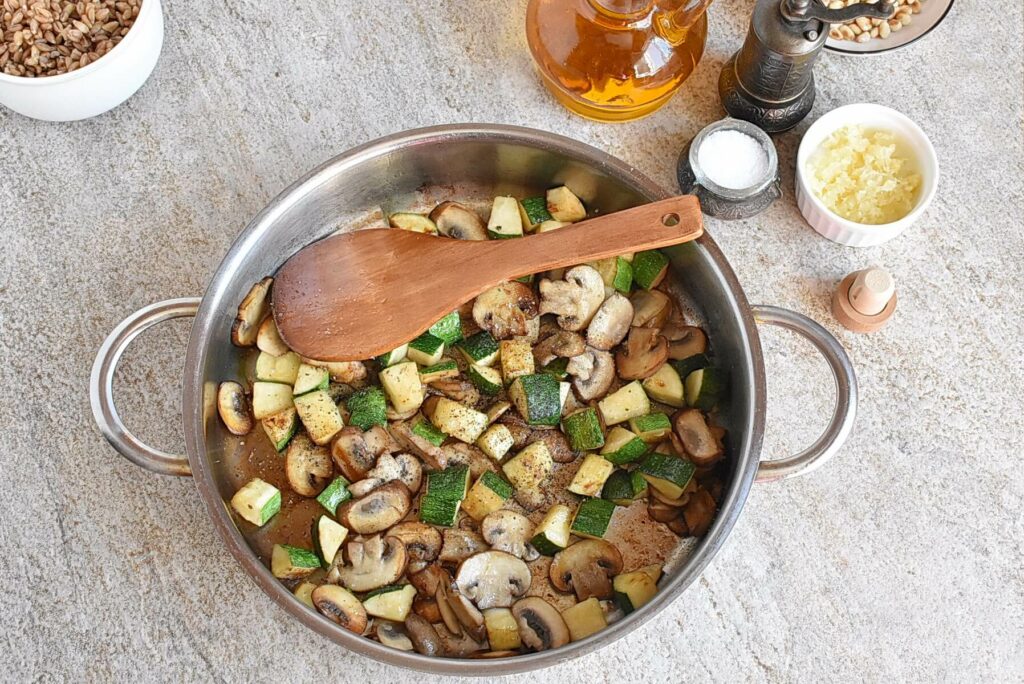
pixel 903 560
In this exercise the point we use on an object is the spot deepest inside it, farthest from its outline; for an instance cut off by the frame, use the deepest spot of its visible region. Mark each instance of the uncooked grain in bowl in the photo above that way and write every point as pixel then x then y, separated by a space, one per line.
pixel 53 37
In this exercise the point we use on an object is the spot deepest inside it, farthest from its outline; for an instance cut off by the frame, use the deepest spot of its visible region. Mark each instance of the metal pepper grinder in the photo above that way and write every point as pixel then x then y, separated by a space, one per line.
pixel 770 81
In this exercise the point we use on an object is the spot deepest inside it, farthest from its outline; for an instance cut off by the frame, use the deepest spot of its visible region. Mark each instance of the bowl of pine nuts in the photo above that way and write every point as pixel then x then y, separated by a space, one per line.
pixel 912 20
pixel 64 60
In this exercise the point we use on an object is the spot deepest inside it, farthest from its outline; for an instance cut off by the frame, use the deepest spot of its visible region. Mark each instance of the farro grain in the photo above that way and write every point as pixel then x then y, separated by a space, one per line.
pixel 51 37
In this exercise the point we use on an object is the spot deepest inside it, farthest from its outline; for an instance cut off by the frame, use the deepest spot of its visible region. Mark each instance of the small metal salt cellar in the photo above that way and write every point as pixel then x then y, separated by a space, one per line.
pixel 770 81
pixel 711 176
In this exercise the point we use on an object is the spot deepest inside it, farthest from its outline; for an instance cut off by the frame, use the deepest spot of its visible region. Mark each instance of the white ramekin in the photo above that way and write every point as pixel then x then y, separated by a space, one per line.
pixel 915 145
pixel 97 87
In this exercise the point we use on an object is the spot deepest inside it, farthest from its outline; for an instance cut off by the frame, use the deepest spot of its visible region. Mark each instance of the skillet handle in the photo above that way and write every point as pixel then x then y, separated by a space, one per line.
pixel 101 395
pixel 841 425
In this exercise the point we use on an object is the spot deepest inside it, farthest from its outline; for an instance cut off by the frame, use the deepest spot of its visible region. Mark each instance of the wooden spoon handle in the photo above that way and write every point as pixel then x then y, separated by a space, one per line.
pixel 660 224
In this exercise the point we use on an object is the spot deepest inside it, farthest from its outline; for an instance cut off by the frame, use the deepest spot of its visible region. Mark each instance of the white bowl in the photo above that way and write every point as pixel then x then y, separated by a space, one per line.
pixel 97 87
pixel 933 12
pixel 913 145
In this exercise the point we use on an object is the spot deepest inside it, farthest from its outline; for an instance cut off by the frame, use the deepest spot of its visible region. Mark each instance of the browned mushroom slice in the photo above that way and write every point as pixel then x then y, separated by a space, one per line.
pixel 562 344
pixel 378 510
pixel 458 221
pixel 456 389
pixel 611 323
pixel 341 606
pixel 448 617
pixel 347 372
pixel 307 466
pixel 423 635
pixel 675 327
pixel 644 353
pixel 593 373
pixel 422 541
pixel 268 339
pixel 459 453
pixel 586 568
pixel 427 580
pixel 505 310
pixel 254 308
pixel 432 455
pixel 373 563
pixel 661 511
pixel 404 467
pixel 468 615
pixel 427 609
pixel 575 299
pixel 459 645
pixel 392 634
pixel 541 626
pixel 355 452
pixel 650 308
pixel 699 512
pixel 678 526
pixel 459 545
pixel 493 579
pixel 698 441
pixel 692 341
pixel 557 444
pixel 233 408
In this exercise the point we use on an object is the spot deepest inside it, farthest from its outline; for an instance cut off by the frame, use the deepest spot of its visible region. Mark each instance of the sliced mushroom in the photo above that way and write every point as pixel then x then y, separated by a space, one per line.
pixel 423 635
pixel 675 327
pixel 459 545
pixel 404 467
pixel 459 453
pixel 427 580
pixel 562 344
pixel 678 501
pixel 458 221
pixel 422 542
pixel 650 308
pixel 456 389
pixel 593 373
pixel 391 634
pixel 510 532
pixel 355 452
pixel 448 617
pixel 611 323
pixel 698 441
pixel 532 333
pixel 341 606
pixel 459 645
pixel 541 626
pixel 377 511
pixel 586 568
pixel 307 466
pixel 373 563
pixel 493 579
pixel 661 511
pixel 251 312
pixel 392 414
pixel 233 408
pixel 692 342
pixel 575 300
pixel 432 455
pixel 643 354
pixel 347 372
pixel 505 310
pixel 426 607
pixel 468 615
pixel 678 526
pixel 557 444
pixel 699 512
pixel 268 339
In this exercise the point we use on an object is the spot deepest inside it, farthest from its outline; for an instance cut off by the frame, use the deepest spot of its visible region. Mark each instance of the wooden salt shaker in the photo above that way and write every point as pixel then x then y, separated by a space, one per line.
pixel 865 300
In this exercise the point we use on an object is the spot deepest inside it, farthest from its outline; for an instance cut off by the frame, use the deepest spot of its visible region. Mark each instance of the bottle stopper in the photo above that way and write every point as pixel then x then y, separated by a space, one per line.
pixel 865 300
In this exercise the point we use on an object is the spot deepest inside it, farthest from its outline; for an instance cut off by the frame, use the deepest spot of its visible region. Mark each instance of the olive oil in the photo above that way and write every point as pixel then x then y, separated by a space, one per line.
pixel 616 60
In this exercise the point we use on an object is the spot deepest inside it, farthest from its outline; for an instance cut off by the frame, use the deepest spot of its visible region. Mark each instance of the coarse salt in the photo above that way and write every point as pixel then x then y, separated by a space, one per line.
pixel 733 159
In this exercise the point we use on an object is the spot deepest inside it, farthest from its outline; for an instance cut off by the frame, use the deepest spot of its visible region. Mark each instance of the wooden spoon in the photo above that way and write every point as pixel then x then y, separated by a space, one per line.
pixel 353 296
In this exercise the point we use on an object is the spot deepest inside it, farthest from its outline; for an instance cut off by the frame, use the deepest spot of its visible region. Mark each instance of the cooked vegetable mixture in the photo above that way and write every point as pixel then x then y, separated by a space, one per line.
pixel 467 482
